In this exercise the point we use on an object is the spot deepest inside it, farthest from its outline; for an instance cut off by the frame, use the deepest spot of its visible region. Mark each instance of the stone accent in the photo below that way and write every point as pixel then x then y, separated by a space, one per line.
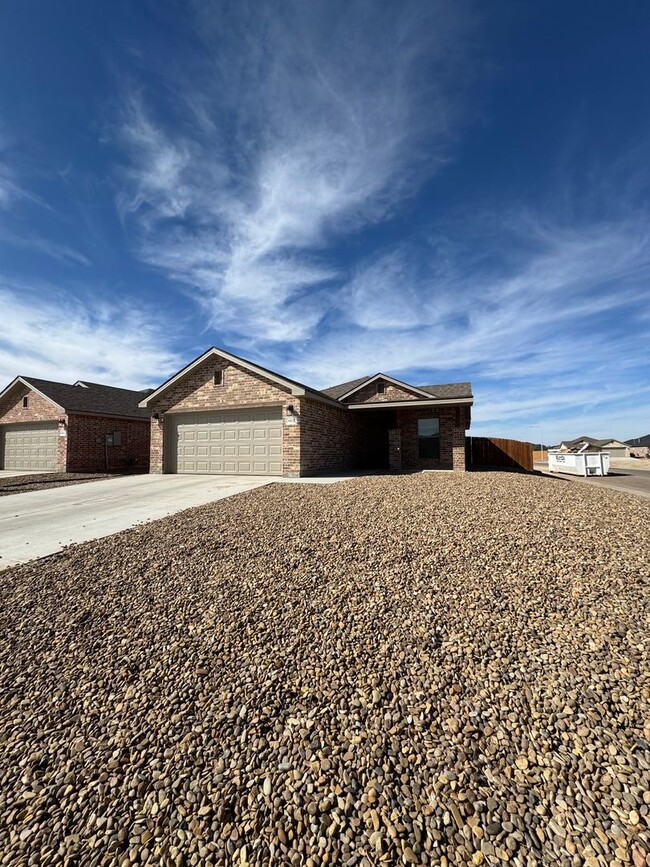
pixel 395 450
pixel 368 394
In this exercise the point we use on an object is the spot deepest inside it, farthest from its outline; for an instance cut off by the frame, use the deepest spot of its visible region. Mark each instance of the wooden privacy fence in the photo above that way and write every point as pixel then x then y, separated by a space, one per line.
pixel 493 452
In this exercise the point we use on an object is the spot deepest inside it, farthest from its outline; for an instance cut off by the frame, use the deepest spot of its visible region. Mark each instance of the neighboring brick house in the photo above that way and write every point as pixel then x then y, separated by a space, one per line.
pixel 223 414
pixel 85 427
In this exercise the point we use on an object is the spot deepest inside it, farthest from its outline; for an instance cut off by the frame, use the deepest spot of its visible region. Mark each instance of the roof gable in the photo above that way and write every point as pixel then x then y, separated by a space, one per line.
pixel 382 376
pixel 295 388
pixel 26 383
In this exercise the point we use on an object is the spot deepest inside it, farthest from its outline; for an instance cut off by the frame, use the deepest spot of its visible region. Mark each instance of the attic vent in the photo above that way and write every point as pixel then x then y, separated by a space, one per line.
pixel 218 377
pixel 381 387
pixel 25 402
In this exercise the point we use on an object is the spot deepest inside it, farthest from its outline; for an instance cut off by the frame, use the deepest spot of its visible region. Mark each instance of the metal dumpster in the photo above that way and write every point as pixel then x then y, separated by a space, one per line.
pixel 579 463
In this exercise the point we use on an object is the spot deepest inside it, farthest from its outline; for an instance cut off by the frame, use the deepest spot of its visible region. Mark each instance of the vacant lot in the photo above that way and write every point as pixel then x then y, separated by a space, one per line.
pixel 39 482
pixel 388 670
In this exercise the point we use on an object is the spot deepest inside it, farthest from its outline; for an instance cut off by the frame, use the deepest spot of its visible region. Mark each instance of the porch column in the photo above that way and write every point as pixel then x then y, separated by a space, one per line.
pixel 458 449
pixel 395 450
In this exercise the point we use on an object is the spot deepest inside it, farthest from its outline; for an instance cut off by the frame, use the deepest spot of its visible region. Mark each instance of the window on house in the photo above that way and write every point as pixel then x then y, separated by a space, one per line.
pixel 25 402
pixel 429 438
pixel 381 387
pixel 218 377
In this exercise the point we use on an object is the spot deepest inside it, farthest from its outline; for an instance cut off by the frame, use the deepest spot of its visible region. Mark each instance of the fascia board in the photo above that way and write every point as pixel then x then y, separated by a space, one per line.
pixel 405 404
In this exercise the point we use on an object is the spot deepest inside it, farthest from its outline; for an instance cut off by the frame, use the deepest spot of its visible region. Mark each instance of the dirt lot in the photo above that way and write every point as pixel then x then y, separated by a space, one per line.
pixel 22 484
pixel 425 670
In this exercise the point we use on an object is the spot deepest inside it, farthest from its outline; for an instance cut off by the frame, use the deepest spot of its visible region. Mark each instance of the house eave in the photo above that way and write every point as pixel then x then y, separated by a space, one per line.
pixel 411 404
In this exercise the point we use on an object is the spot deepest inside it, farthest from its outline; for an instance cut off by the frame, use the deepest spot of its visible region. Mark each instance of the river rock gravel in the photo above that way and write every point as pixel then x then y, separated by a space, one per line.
pixel 42 481
pixel 428 669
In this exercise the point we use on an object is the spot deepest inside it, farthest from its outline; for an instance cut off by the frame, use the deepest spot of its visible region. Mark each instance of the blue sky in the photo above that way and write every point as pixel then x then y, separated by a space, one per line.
pixel 438 190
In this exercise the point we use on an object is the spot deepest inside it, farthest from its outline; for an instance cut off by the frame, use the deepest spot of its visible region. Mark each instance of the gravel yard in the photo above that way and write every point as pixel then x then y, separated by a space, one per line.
pixel 40 482
pixel 428 669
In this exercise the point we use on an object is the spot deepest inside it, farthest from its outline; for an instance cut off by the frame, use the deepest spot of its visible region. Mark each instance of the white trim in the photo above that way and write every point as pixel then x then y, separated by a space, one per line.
pixel 398 382
pixel 405 404
pixel 295 390
pixel 28 384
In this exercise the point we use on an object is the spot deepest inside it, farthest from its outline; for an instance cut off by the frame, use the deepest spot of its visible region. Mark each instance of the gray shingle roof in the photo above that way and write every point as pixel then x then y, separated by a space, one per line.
pixel 337 391
pixel 446 391
pixel 92 397
pixel 449 390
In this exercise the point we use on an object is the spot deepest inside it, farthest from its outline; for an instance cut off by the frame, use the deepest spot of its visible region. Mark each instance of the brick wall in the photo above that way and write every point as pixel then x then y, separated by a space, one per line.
pixel 240 388
pixel 453 421
pixel 368 394
pixel 38 409
pixel 328 438
pixel 86 450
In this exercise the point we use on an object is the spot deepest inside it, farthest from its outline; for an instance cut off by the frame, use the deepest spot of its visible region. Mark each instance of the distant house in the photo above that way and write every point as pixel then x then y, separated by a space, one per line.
pixel 615 448
pixel 639 446
pixel 88 427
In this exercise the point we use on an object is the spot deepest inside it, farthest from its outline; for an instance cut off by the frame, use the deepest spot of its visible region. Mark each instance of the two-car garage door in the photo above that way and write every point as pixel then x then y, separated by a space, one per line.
pixel 28 446
pixel 238 442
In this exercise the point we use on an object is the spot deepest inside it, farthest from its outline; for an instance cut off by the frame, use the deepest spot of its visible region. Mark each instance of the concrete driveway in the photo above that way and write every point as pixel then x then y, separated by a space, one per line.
pixel 38 523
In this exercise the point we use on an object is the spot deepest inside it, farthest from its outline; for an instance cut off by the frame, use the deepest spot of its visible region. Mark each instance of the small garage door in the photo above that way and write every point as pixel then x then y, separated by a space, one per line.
pixel 28 447
pixel 616 453
pixel 241 442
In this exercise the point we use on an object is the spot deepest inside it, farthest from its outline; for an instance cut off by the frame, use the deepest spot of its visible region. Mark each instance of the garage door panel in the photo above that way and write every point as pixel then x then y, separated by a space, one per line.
pixel 29 447
pixel 234 442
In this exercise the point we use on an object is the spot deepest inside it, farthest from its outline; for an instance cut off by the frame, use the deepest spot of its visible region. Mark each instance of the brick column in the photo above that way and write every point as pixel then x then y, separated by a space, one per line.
pixel 156 454
pixel 395 450
pixel 458 449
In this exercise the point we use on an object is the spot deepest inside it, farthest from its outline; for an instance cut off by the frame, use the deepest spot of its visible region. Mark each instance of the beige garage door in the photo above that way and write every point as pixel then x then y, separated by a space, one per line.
pixel 28 447
pixel 241 442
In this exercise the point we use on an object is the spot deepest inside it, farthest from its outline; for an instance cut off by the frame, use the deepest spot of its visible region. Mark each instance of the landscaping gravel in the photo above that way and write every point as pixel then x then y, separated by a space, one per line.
pixel 42 481
pixel 430 669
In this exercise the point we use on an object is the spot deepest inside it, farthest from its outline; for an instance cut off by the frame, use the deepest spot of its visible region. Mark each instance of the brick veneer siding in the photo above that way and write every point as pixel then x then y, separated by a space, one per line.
pixel 241 388
pixel 368 394
pixel 328 438
pixel 86 438
pixel 453 423
pixel 38 409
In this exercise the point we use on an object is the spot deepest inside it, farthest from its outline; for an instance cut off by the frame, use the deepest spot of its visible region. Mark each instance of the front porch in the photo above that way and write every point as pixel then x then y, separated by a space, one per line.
pixel 411 438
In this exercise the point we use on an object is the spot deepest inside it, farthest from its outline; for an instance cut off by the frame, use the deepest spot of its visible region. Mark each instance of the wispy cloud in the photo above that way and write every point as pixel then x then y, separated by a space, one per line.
pixel 543 303
pixel 57 336
pixel 300 128
pixel 32 241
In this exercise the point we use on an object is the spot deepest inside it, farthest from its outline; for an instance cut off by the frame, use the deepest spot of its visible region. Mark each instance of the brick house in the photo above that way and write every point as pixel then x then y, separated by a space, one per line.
pixel 85 427
pixel 223 414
